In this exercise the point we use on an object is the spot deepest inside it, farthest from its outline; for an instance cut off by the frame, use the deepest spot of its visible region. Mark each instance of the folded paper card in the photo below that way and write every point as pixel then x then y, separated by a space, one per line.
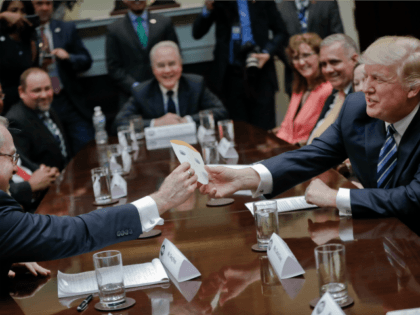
pixel 118 187
pixel 176 263
pixel 186 153
pixel 114 165
pixel 134 276
pixel 126 158
pixel 161 143
pixel 326 306
pixel 287 204
pixel 170 131
pixel 227 149
pixel 282 259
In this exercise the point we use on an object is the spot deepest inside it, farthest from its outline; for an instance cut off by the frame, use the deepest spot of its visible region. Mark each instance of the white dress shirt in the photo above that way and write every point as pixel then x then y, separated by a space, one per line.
pixel 148 212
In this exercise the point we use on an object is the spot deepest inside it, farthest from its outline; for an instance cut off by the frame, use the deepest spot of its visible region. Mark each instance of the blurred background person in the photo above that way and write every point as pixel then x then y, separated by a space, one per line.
pixel 359 77
pixel 18 49
pixel 310 90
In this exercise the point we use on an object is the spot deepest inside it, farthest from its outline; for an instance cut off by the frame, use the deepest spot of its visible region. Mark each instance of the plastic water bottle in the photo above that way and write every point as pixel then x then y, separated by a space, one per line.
pixel 99 122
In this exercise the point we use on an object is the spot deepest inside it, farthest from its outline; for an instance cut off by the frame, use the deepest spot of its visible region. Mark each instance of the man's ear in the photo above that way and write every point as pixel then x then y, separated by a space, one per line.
pixel 413 91
pixel 355 57
pixel 21 91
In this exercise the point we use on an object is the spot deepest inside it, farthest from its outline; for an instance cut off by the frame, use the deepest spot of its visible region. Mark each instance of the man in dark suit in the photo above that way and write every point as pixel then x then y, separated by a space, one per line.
pixel 64 56
pixel 248 95
pixel 128 45
pixel 302 16
pixel 37 132
pixel 379 131
pixel 171 97
pixel 31 237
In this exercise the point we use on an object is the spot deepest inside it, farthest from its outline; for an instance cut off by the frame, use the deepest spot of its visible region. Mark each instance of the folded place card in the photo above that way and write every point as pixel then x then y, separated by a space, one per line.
pixel 287 204
pixel 226 149
pixel 186 153
pixel 204 134
pixel 163 143
pixel 118 187
pixel 113 164
pixel 170 131
pixel 326 306
pixel 282 259
pixel 176 263
pixel 126 158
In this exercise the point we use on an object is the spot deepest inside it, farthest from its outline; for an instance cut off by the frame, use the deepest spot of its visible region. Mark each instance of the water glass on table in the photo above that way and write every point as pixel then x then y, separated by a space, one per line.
pixel 137 125
pixel 226 130
pixel 331 269
pixel 266 221
pixel 210 152
pixel 110 278
pixel 126 137
pixel 207 119
pixel 101 185
pixel 115 158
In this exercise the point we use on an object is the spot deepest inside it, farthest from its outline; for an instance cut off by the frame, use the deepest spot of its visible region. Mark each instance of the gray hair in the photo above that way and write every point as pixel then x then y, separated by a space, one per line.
pixel 400 51
pixel 3 122
pixel 348 44
pixel 165 43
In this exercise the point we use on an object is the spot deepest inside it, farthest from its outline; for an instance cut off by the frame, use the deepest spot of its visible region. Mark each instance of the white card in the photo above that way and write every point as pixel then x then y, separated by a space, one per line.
pixel 177 264
pixel 326 306
pixel 126 158
pixel 96 187
pixel 118 186
pixel 113 165
pixel 226 149
pixel 204 134
pixel 282 259
pixel 170 131
pixel 121 139
pixel 186 153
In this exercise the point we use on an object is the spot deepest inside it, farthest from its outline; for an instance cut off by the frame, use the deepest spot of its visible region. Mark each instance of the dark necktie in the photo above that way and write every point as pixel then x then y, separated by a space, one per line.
pixel 302 18
pixel 171 104
pixel 141 33
pixel 387 159
pixel 53 128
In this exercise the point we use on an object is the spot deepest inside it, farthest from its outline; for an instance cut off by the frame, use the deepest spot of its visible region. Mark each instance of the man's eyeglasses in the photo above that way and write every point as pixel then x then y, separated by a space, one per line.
pixel 303 57
pixel 2 96
pixel 14 157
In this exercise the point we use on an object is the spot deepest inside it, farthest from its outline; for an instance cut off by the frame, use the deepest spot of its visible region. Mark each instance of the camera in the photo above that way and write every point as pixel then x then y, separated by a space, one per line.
pixel 246 51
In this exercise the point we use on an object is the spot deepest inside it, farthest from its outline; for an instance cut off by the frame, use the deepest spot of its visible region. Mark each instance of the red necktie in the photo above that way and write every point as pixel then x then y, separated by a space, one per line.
pixel 23 174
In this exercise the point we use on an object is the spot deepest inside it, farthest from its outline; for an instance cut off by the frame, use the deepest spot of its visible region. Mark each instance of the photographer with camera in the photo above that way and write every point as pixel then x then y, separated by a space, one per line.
pixel 18 50
pixel 243 74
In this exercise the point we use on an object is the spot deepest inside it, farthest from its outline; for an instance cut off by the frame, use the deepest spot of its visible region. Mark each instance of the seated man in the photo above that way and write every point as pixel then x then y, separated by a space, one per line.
pixel 171 97
pixel 26 237
pixel 379 131
pixel 37 132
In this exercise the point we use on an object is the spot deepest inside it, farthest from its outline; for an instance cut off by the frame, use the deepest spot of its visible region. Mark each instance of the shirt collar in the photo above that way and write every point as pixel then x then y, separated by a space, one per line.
pixel 133 16
pixel 165 90
pixel 402 125
pixel 301 4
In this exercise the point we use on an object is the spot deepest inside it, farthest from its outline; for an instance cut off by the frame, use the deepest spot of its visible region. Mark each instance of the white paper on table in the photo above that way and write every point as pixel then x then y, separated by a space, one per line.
pixel 121 139
pixel 227 149
pixel 96 186
pixel 186 153
pixel 287 204
pixel 162 143
pixel 326 306
pixel 118 186
pixel 126 158
pixel 282 259
pixel 177 264
pixel 170 131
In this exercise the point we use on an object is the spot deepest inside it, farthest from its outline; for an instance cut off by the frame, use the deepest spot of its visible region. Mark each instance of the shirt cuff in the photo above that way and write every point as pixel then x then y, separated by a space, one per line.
pixel 343 202
pixel 266 183
pixel 189 118
pixel 152 123
pixel 148 212
pixel 345 230
pixel 205 12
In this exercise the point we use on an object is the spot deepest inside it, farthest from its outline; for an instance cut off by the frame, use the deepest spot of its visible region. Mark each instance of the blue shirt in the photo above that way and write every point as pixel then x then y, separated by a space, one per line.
pixel 134 22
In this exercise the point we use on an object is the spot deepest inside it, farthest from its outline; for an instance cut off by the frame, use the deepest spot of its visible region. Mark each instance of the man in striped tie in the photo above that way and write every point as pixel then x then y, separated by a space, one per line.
pixel 378 130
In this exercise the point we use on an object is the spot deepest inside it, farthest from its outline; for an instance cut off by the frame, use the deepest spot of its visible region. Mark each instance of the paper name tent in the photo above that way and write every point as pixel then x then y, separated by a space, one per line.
pixel 287 204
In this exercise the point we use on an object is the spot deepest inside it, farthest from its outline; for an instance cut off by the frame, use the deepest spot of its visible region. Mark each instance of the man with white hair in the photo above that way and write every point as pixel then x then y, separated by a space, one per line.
pixel 379 131
pixel 170 97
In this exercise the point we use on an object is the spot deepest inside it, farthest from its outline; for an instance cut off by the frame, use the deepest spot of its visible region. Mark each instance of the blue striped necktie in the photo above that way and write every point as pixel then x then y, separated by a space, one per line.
pixel 387 159
pixel 53 128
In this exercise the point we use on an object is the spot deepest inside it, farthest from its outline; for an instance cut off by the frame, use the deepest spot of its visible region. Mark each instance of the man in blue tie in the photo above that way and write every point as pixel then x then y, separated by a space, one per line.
pixel 242 35
pixel 170 97
pixel 378 130
pixel 128 45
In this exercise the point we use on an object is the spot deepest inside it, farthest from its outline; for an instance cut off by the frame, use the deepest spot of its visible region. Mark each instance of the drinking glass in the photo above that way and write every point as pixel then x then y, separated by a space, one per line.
pixel 126 137
pixel 226 130
pixel 137 125
pixel 266 221
pixel 331 269
pixel 115 158
pixel 110 277
pixel 207 120
pixel 101 185
pixel 210 153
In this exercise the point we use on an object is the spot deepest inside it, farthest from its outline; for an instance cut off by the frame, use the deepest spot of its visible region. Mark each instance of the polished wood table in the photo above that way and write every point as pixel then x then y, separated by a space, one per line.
pixel 383 260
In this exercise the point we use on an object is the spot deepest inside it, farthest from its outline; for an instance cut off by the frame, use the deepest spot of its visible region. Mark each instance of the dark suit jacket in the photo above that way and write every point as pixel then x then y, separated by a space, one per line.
pixel 34 142
pixel 359 137
pixel 31 237
pixel 193 96
pixel 264 17
pixel 65 36
pixel 22 193
pixel 126 59
pixel 323 18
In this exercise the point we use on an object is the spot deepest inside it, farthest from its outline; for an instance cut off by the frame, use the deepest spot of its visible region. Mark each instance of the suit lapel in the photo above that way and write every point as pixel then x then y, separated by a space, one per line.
pixel 153 31
pixel 155 100
pixel 39 124
pixel 295 19
pixel 132 34
pixel 55 31
pixel 374 139
pixel 409 143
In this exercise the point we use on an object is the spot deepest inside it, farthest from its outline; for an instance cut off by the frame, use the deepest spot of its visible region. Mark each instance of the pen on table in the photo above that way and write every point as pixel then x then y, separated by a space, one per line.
pixel 85 303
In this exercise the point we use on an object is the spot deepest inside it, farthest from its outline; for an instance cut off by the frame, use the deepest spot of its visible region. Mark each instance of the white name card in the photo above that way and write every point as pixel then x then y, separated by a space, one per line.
pixel 226 149
pixel 113 165
pixel 186 153
pixel 282 259
pixel 162 143
pixel 326 306
pixel 118 187
pixel 204 134
pixel 126 158
pixel 176 263
pixel 170 131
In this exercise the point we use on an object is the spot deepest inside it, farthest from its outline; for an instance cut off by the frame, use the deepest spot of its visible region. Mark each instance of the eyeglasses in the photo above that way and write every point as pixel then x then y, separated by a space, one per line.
pixel 2 96
pixel 14 157
pixel 303 57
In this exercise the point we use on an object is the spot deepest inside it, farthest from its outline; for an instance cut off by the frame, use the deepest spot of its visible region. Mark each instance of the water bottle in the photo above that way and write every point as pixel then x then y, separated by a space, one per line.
pixel 99 122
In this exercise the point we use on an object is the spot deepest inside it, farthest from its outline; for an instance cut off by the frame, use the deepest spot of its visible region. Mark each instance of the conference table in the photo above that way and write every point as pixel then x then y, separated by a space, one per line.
pixel 383 255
